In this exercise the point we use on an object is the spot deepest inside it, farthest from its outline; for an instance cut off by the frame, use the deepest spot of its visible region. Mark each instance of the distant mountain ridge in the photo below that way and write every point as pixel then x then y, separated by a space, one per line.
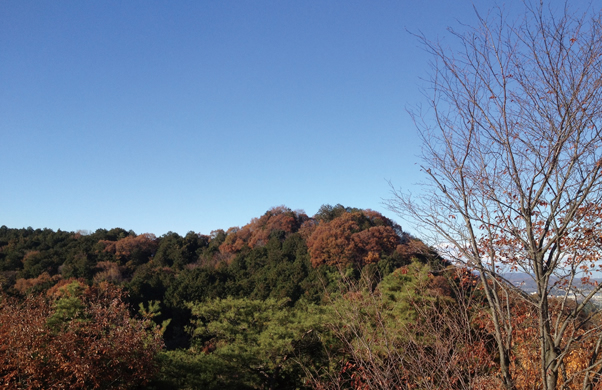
pixel 526 283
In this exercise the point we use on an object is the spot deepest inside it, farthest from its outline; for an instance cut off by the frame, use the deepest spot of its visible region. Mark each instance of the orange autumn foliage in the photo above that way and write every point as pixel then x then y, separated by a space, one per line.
pixel 358 238
pixel 257 232
pixel 146 242
pixel 75 337
pixel 23 285
pixel 525 362
pixel 109 272
pixel 342 237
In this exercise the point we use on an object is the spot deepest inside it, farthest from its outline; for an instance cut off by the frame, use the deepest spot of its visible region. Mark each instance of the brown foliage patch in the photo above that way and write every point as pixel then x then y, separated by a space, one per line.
pixel 353 238
pixel 257 232
pixel 103 347
pixel 22 285
pixel 146 242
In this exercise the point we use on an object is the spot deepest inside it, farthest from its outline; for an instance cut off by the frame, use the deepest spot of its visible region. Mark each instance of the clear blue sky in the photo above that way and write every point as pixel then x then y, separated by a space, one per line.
pixel 198 115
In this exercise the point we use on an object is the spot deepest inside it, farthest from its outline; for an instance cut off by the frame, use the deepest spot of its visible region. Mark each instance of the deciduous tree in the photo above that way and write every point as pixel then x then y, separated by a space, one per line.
pixel 77 337
pixel 352 238
pixel 512 152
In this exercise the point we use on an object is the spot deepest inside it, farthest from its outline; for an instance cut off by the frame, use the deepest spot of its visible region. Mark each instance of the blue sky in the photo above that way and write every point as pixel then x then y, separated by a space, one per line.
pixel 175 115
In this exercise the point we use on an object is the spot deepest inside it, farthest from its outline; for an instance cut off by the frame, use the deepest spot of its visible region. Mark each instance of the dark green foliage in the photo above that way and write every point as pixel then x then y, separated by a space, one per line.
pixel 149 283
pixel 32 252
pixel 176 251
pixel 327 213
pixel 256 298
pixel 186 369
pixel 241 344
pixel 80 265
pixel 68 307
pixel 116 234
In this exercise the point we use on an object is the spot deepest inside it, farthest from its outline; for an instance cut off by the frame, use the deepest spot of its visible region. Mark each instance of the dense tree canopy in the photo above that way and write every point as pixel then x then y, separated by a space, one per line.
pixel 238 308
pixel 78 337
pixel 353 238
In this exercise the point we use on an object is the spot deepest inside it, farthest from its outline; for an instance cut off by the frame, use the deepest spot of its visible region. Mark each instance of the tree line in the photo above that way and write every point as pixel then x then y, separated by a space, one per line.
pixel 341 300
pixel 283 265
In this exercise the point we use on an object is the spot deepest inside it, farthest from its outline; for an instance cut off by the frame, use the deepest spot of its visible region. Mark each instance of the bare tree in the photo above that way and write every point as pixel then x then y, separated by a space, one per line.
pixel 512 155
pixel 414 330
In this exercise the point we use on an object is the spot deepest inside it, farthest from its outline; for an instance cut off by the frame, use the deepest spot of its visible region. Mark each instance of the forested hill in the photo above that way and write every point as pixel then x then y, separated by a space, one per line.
pixel 281 254
pixel 282 260
pixel 279 244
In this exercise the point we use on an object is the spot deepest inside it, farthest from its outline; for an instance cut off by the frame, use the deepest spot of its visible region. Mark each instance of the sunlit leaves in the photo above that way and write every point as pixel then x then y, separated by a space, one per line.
pixel 356 238
pixel 79 337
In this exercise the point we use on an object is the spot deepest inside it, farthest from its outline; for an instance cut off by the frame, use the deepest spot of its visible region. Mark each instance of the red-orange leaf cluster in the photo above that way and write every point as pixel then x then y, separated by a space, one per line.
pixel 145 243
pixel 99 345
pixel 353 238
pixel 257 232
pixel 337 236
